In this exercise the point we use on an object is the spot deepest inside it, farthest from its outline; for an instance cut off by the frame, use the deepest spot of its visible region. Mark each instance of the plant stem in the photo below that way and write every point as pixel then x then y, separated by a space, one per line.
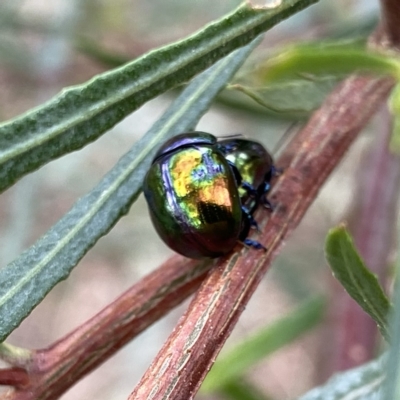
pixel 390 16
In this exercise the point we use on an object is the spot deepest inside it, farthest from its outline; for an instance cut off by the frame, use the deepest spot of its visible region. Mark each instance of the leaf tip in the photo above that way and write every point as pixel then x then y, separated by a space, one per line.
pixel 337 231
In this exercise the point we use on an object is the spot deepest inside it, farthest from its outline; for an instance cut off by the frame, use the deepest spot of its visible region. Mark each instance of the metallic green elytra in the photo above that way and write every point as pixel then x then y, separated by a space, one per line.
pixel 193 198
pixel 202 193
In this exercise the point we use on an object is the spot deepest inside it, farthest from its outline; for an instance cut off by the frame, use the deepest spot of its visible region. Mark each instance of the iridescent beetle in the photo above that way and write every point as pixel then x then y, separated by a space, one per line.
pixel 202 193
pixel 256 168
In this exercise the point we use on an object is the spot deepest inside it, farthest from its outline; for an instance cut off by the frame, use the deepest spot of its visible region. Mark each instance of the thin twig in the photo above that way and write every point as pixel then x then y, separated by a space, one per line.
pixel 16 377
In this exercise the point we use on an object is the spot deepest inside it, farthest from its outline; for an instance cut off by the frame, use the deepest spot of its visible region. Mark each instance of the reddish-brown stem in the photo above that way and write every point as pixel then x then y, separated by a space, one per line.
pixel 390 18
pixel 184 360
pixel 15 376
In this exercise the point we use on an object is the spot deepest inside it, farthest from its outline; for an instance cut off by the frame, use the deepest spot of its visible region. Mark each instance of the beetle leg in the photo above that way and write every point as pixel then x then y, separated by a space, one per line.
pixel 250 189
pixel 254 244
pixel 249 222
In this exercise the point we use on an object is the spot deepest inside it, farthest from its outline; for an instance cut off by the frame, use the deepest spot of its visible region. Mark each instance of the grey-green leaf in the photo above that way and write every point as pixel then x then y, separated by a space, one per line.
pixel 80 114
pixel 361 284
pixel 361 383
pixel 29 278
pixel 231 365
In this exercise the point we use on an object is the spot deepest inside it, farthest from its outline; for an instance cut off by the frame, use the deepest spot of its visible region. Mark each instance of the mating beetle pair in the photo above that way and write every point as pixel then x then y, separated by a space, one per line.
pixel 202 193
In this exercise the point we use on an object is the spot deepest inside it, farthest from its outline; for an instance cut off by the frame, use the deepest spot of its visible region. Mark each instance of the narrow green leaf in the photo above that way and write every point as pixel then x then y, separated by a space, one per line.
pixel 80 114
pixel 361 383
pixel 335 60
pixel 29 278
pixel 360 283
pixel 235 363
